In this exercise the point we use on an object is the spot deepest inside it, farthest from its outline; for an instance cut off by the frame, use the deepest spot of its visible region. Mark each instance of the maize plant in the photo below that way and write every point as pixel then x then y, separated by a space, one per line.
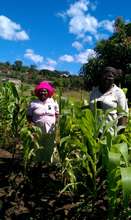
pixel 12 108
pixel 84 154
pixel 15 132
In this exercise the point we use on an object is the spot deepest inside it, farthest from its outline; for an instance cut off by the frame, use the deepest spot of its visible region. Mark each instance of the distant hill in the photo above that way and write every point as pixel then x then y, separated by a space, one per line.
pixel 31 75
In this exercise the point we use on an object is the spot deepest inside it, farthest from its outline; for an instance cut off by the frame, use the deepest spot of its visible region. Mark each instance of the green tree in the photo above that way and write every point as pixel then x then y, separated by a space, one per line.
pixel 115 51
pixel 18 65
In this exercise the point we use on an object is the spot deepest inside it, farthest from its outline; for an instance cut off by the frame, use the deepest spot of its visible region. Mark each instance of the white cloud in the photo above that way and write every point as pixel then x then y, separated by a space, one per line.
pixel 107 25
pixel 21 35
pixel 79 25
pixel 63 15
pixel 83 57
pixel 10 30
pixel 39 60
pixel 81 22
pixel 100 36
pixel 51 62
pixel 78 8
pixel 46 67
pixel 66 58
pixel 87 39
pixel 36 58
pixel 77 45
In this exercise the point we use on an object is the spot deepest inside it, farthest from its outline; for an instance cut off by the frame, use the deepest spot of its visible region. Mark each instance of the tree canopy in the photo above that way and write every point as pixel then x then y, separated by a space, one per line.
pixel 116 52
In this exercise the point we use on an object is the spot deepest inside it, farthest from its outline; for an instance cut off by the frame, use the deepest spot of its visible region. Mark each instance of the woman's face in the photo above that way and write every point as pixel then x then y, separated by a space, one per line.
pixel 107 79
pixel 43 94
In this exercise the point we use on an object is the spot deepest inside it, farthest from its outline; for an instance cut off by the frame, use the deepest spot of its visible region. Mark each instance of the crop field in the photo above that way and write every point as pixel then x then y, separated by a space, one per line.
pixel 90 175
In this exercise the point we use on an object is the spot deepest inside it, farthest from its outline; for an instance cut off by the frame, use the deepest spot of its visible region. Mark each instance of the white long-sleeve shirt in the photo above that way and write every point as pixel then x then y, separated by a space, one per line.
pixel 112 99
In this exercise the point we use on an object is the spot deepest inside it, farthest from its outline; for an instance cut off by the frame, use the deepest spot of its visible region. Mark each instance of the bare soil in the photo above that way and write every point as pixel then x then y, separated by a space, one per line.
pixel 36 193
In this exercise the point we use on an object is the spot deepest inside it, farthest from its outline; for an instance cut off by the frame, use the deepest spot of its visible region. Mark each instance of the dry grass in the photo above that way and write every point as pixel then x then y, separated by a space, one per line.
pixel 76 95
pixel 72 94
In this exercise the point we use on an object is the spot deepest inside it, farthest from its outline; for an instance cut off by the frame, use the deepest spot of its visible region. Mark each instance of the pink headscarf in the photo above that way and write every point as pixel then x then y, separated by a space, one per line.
pixel 45 85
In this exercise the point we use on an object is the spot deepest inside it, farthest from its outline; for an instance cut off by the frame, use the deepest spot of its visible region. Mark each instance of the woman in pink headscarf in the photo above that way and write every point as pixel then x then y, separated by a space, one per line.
pixel 44 112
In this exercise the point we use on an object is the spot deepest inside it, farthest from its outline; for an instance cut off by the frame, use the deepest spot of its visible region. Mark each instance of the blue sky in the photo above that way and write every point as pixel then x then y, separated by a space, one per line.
pixel 56 34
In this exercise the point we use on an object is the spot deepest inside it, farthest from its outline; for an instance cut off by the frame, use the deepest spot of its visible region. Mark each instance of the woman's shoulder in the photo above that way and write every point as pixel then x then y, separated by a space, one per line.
pixel 35 102
pixel 50 99
pixel 118 91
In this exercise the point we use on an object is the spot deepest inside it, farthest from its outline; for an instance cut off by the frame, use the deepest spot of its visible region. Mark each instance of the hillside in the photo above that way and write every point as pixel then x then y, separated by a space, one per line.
pixel 31 75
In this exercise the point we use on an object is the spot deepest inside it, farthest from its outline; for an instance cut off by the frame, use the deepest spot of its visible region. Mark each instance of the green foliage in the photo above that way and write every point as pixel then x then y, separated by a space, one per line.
pixel 12 113
pixel 30 136
pixel 116 52
pixel 14 129
pixel 84 154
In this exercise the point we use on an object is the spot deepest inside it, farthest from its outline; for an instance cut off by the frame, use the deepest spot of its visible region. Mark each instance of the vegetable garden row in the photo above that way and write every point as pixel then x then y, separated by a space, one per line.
pixel 91 175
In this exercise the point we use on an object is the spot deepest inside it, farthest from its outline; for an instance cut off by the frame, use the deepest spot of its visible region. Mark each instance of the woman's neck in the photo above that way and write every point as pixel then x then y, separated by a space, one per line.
pixel 104 89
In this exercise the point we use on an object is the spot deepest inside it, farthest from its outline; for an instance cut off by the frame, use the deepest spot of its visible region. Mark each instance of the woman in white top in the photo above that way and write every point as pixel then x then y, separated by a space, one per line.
pixel 44 112
pixel 109 96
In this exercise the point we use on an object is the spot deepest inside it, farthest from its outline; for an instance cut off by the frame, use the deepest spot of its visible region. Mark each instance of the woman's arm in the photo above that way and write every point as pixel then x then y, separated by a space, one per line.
pixel 123 113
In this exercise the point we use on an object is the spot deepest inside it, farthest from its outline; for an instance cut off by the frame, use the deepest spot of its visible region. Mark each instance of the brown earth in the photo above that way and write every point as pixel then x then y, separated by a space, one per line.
pixel 35 194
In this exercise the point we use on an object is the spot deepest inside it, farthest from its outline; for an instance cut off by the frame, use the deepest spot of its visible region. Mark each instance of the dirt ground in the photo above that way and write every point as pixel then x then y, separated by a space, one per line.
pixel 31 195
pixel 36 193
